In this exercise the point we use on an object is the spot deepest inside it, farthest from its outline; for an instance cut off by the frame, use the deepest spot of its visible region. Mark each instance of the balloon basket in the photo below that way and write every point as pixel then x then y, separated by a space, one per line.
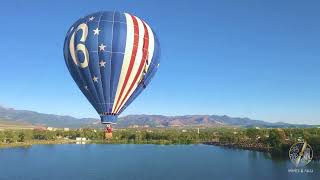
pixel 108 132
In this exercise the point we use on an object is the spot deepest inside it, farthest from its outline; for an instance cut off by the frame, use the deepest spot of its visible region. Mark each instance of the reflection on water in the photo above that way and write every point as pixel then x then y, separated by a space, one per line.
pixel 81 142
pixel 144 162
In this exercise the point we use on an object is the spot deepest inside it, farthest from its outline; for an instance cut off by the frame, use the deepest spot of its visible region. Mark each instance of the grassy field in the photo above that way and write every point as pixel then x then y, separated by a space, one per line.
pixel 5 125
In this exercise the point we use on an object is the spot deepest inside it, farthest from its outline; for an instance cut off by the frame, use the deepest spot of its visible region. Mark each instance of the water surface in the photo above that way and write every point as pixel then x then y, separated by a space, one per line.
pixel 143 162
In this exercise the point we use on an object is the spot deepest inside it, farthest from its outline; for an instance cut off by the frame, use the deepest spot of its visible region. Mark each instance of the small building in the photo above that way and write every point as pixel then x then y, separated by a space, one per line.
pixel 81 139
pixel 215 133
pixel 50 128
pixel 183 130
pixel 300 139
pixel 258 137
pixel 66 129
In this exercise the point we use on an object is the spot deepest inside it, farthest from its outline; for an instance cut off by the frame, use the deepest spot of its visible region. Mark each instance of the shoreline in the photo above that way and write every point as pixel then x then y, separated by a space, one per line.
pixel 250 147
pixel 34 142
pixel 253 147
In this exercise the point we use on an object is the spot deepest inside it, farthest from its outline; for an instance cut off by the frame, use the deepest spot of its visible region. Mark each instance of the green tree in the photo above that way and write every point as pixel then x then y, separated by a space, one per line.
pixel 227 137
pixel 2 137
pixel 21 137
pixel 252 132
pixel 11 136
pixel 90 133
pixel 274 141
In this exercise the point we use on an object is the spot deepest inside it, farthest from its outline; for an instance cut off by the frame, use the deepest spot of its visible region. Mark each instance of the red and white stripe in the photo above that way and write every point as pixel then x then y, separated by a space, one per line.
pixel 139 47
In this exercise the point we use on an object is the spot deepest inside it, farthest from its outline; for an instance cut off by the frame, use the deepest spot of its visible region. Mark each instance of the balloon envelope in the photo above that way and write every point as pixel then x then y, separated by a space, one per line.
pixel 112 57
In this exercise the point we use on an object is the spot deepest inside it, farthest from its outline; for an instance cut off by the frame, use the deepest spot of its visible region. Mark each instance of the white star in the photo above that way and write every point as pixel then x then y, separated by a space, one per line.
pixel 91 18
pixel 86 87
pixel 102 63
pixel 102 46
pixel 95 78
pixel 96 31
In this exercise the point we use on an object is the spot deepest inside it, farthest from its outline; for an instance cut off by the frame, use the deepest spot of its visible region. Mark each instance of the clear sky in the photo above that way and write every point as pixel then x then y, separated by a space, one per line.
pixel 250 58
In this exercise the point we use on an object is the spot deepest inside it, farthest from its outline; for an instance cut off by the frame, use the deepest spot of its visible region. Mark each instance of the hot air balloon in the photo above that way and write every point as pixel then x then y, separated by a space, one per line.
pixel 112 57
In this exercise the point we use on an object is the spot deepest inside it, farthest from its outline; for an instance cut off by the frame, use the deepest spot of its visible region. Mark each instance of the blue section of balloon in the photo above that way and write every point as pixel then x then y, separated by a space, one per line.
pixel 94 51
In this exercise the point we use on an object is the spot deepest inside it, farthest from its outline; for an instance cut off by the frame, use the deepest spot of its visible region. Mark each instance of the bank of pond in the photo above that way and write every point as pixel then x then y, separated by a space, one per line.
pixel 274 140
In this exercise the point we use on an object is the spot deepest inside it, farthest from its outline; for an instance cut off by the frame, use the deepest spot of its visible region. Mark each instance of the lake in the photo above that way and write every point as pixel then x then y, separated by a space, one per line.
pixel 144 162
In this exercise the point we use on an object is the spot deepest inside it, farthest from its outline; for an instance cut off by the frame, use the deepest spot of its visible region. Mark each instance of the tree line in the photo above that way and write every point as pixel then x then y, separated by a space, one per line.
pixel 278 139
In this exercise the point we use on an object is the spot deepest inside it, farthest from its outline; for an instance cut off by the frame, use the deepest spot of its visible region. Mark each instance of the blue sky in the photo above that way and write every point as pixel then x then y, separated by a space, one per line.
pixel 256 59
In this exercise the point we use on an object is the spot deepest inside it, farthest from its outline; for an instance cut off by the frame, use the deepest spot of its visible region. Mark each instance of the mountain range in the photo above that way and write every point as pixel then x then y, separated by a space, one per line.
pixel 26 117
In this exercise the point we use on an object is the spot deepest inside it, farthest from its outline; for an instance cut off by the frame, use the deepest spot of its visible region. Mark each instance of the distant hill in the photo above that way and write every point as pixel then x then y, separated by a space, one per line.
pixel 40 119
pixel 32 118
pixel 197 120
